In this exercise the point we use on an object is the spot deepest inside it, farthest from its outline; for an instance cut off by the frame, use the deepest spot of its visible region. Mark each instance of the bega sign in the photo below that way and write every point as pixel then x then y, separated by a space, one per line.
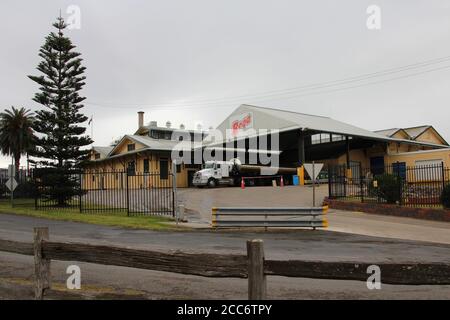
pixel 240 123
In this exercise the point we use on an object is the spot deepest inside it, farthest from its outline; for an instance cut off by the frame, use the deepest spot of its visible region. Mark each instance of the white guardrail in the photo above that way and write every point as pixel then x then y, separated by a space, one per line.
pixel 229 217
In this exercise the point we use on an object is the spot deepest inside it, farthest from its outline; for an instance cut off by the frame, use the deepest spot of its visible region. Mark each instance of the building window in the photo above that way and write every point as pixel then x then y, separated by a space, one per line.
pixel 97 156
pixel 337 137
pixel 323 138
pixel 146 165
pixel 161 134
pixel 164 169
pixel 377 165
pixel 131 169
pixel 131 147
pixel 399 168
pixel 428 170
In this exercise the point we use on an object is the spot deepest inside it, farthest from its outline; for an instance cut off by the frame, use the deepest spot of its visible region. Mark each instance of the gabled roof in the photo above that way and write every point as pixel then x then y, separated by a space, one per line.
pixel 153 144
pixel 388 132
pixel 391 132
pixel 414 132
pixel 267 118
pixel 104 151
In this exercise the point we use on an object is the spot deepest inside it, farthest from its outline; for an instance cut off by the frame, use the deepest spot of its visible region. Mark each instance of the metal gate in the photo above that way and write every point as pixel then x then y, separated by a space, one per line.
pixel 337 181
pixel 150 193
pixel 113 191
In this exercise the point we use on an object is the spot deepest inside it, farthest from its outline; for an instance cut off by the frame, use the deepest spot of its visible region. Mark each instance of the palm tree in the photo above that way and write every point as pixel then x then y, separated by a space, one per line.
pixel 16 133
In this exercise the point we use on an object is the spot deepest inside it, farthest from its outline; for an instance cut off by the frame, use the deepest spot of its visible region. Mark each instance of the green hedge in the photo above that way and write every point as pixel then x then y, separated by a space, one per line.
pixel 388 187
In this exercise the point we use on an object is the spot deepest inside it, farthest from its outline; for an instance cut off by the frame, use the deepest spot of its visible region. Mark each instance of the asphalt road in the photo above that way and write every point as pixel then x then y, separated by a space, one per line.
pixel 108 281
pixel 295 244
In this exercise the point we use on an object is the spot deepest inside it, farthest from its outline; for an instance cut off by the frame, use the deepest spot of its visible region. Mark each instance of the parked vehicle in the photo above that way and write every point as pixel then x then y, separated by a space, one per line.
pixel 231 172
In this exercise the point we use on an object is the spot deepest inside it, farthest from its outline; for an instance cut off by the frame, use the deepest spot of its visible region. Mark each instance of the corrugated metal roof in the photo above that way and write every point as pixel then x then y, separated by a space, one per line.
pixel 104 151
pixel 161 144
pixel 155 144
pixel 388 132
pixel 319 123
pixel 414 132
pixel 284 120
pixel 268 118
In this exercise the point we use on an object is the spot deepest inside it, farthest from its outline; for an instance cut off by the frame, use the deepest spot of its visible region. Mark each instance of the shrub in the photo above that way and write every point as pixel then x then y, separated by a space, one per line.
pixel 25 189
pixel 389 187
pixel 445 197
pixel 57 186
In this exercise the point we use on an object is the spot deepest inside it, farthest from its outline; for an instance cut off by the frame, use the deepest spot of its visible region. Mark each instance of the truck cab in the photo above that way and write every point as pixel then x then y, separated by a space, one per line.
pixel 213 173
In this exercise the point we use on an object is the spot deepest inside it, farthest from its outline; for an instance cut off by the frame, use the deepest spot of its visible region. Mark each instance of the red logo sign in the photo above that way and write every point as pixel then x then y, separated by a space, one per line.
pixel 243 123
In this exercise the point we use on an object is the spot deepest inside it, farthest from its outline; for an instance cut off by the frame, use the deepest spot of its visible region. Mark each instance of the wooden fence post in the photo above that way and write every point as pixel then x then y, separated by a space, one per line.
pixel 41 264
pixel 256 277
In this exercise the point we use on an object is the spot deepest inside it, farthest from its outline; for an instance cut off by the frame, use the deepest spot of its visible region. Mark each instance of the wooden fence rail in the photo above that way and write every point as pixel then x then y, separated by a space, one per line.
pixel 252 266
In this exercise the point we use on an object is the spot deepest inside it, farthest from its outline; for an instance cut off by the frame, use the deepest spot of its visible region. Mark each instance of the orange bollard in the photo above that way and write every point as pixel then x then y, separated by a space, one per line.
pixel 242 183
pixel 281 182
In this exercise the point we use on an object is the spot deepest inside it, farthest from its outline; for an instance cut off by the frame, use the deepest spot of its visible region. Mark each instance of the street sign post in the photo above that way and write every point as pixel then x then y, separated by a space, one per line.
pixel 11 170
pixel 11 184
pixel 313 170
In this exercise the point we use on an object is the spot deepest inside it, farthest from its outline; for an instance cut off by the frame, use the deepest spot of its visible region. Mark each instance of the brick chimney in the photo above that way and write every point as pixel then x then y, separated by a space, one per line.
pixel 140 119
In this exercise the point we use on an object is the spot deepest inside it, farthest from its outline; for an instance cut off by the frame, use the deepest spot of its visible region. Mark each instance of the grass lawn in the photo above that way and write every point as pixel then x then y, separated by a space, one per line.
pixel 119 219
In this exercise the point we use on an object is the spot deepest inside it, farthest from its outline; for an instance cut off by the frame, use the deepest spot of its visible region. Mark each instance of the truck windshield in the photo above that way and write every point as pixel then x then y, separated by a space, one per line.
pixel 209 165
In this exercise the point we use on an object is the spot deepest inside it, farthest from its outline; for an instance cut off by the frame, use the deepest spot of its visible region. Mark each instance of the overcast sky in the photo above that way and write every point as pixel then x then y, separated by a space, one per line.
pixel 195 61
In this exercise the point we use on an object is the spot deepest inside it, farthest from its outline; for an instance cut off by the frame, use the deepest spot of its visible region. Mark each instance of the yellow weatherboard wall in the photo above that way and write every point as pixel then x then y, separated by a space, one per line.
pixel 411 158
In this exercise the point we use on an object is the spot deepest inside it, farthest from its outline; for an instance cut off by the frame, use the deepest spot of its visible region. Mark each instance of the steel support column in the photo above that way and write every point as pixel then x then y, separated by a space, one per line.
pixel 301 148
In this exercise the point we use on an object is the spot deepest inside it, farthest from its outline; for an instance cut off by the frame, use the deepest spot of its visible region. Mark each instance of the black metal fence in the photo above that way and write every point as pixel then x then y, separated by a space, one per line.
pixel 416 186
pixel 133 192
pixel 89 191
pixel 23 194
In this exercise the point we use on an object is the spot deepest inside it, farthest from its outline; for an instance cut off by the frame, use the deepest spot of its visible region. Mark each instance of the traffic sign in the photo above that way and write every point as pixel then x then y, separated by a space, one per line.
pixel 11 184
pixel 313 169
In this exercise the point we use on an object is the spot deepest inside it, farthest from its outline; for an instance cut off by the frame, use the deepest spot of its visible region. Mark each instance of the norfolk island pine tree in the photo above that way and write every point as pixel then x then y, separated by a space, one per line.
pixel 60 135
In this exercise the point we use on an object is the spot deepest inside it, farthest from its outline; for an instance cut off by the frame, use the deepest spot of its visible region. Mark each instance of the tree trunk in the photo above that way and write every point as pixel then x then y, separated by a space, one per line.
pixel 17 164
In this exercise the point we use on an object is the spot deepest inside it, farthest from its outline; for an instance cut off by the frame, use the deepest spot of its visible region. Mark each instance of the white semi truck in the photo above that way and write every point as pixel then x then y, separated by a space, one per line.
pixel 231 172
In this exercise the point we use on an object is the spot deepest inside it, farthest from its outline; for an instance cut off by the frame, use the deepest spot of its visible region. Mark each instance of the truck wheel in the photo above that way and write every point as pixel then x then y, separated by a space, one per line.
pixel 212 183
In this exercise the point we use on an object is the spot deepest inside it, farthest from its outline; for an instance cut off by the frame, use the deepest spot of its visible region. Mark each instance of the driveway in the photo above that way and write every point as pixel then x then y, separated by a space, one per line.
pixel 199 202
